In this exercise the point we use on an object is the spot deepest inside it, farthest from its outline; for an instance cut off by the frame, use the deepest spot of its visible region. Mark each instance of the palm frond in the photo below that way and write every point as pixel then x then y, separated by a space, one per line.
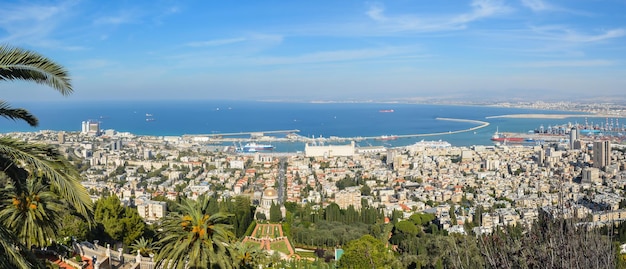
pixel 20 64
pixel 11 256
pixel 46 162
pixel 17 114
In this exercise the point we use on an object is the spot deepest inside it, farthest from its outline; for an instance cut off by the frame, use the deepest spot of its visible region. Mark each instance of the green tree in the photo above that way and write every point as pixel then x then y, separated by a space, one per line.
pixel 407 227
pixel 22 162
pixel 422 219
pixel 195 239
pixel 118 223
pixel 72 225
pixel 366 252
pixel 332 212
pixel 244 214
pixel 275 214
pixel 452 213
pixel 134 226
pixel 108 214
pixel 366 190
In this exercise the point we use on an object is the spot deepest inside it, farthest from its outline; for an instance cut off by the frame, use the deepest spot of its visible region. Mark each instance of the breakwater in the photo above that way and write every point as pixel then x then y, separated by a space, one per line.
pixel 295 137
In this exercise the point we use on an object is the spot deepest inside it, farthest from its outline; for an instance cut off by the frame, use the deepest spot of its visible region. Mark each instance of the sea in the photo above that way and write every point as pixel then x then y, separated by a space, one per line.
pixel 327 119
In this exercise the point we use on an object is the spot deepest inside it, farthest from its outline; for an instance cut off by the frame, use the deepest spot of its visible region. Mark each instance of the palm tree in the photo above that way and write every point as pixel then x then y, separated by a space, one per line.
pixel 195 239
pixel 249 256
pixel 33 171
pixel 34 213
pixel 144 246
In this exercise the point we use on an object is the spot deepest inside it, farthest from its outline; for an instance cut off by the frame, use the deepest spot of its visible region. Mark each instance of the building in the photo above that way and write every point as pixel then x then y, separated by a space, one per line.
pixel 579 145
pixel 350 196
pixel 61 137
pixel 90 127
pixel 152 210
pixel 591 175
pixel 541 157
pixel 330 150
pixel 270 196
pixel 573 137
pixel 147 154
pixel 601 154
pixel 116 145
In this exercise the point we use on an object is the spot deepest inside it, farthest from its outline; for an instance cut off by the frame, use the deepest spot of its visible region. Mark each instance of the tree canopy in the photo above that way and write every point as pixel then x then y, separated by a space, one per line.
pixel 366 252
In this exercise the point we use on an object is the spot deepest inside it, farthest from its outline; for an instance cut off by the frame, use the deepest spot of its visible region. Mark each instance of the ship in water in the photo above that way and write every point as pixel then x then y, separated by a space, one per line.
pixel 254 147
pixel 387 137
pixel 499 137
pixel 386 111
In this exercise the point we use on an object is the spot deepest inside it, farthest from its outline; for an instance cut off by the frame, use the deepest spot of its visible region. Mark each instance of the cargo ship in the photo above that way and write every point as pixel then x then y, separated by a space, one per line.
pixel 498 137
pixel 386 111
pixel 254 147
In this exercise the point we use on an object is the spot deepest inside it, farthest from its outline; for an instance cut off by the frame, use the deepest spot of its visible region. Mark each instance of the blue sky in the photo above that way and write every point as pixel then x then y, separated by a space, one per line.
pixel 323 50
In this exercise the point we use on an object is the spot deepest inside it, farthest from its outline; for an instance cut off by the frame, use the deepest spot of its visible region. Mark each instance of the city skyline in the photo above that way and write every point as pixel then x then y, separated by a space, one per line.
pixel 352 50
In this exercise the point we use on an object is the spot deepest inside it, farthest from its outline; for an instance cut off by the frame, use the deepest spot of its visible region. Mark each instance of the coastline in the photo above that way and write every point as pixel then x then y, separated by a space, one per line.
pixel 554 116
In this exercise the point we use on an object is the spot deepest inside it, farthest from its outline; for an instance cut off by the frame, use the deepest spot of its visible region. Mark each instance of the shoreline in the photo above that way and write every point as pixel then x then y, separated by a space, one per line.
pixel 553 116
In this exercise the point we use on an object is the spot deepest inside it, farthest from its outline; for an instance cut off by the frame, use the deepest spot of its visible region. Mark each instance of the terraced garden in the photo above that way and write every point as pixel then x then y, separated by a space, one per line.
pixel 271 237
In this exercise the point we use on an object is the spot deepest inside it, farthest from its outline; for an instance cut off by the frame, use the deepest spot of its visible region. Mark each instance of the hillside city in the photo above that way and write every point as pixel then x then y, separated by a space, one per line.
pixel 310 135
pixel 469 190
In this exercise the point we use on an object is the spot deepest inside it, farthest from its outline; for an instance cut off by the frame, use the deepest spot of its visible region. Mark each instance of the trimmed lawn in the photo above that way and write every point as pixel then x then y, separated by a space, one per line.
pixel 280 246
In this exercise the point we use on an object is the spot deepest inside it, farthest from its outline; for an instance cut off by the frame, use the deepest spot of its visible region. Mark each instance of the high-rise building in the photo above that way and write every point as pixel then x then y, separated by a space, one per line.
pixel 601 154
pixel 61 137
pixel 573 137
pixel 84 127
pixel 116 145
pixel 541 157
pixel 90 127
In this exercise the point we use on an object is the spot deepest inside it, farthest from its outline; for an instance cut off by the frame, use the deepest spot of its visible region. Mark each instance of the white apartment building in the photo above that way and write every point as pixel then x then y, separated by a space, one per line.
pixel 152 210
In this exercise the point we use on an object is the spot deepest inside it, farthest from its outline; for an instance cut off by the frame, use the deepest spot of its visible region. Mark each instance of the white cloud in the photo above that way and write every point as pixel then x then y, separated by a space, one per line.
pixel 32 24
pixel 537 5
pixel 480 9
pixel 211 59
pixel 609 34
pixel 376 12
pixel 563 33
pixel 331 56
pixel 253 38
pixel 215 42
pixel 543 6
